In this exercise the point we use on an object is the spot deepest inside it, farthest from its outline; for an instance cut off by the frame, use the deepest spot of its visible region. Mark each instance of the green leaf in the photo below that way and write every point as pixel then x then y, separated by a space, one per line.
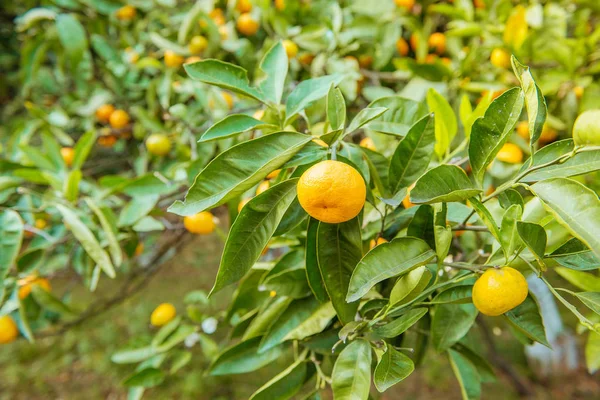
pixel 275 67
pixel 133 356
pixel 534 100
pixel 165 44
pixel 224 75
pixel 339 249
pixel 509 237
pixel 71 185
pixel 231 125
pixel 87 240
pixel 11 235
pixel 575 255
pixel 315 323
pixel 445 121
pixel 73 37
pixel 413 154
pixel 251 232
pixel 82 149
pixel 180 360
pixel 176 337
pixel 336 108
pixel 243 357
pixel 190 19
pixel 363 117
pixel 401 324
pixel 534 236
pixel 490 132
pixel 527 319
pixel 574 206
pixel 401 115
pixel 393 367
pixel 106 218
pixel 165 331
pixel 455 295
pixel 581 163
pixel 479 111
pixel 313 273
pixel 285 384
pixel 136 209
pixel 309 91
pixel 148 377
pixel 592 352
pixel 290 283
pixel 268 313
pixel 292 317
pixel 591 300
pixel 485 370
pixel 410 285
pixel 583 280
pixel 486 217
pixel 397 257
pixel 233 172
pixel 48 301
pixel 351 377
pixel 466 374
pixel 450 323
pixel 444 183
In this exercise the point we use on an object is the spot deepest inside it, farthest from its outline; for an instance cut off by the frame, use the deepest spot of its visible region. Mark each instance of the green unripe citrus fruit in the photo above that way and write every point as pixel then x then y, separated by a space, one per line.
pixel 586 130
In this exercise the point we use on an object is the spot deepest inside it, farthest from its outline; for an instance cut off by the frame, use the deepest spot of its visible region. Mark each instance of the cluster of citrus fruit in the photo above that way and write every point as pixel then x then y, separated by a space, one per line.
pixel 117 119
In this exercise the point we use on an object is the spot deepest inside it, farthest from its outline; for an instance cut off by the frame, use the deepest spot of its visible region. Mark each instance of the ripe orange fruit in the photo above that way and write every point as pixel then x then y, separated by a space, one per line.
pixel 523 129
pixel 479 4
pixel 8 330
pixel 306 58
pixel 243 203
pixel 406 201
pixel 217 16
pixel 510 153
pixel 126 13
pixel 163 314
pixel 367 143
pixel 104 112
pixel 67 154
pixel 414 41
pixel 26 284
pixel 243 6
pixel 41 223
pixel 202 223
pixel 291 49
pixel 139 249
pixel 264 185
pixel 431 59
pixel 500 58
pixel 548 134
pixel 158 144
pixel 107 140
pixel 228 99
pixel 332 192
pixel 408 4
pixel 280 5
pixel 274 174
pixel 172 59
pixel 578 90
pixel 499 290
pixel 374 243
pixel 119 119
pixel 437 42
pixel 247 25
pixel 197 44
pixel 365 61
pixel 402 47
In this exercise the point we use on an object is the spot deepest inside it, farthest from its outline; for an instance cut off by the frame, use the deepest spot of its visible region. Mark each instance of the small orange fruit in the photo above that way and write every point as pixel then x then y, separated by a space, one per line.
pixel 500 58
pixel 306 58
pixel 408 4
pixel 406 201
pixel 104 112
pixel 67 154
pixel 197 44
pixel 374 243
pixel 247 25
pixel 437 42
pixel 8 329
pixel 510 153
pixel 119 119
pixel 243 6
pixel 41 223
pixel 523 129
pixel 172 59
pixel 264 185
pixel 280 5
pixel 578 90
pixel 243 203
pixel 365 61
pixel 291 49
pixel 163 314
pixel 499 290
pixel 107 140
pixel 273 174
pixel 367 143
pixel 402 47
pixel 27 283
pixel 139 249
pixel 126 13
pixel 479 4
pixel 202 223
pixel 158 144
pixel 332 191
pixel 217 16
pixel 414 41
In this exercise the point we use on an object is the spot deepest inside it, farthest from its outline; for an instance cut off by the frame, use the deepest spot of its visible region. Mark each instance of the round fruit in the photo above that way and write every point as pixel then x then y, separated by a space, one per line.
pixel 139 249
pixel 8 329
pixel 104 112
pixel 548 134
pixel 291 49
pixel 119 119
pixel 408 4
pixel 280 5
pixel 126 13
pixel 499 290
pixel 264 185
pixel 273 174
pixel 243 6
pixel 510 153
pixel 437 42
pixel 228 99
pixel 586 130
pixel 365 61
pixel 402 47
pixel 67 154
pixel 367 143
pixel 578 90
pixel 197 44
pixel 202 223
pixel 406 201
pixel 500 58
pixel 523 129
pixel 158 144
pixel 172 59
pixel 107 140
pixel 217 16
pixel 41 223
pixel 306 58
pixel 332 192
pixel 243 203
pixel 374 243
pixel 479 4
pixel 247 25
pixel 163 314
pixel 27 283
pixel 414 41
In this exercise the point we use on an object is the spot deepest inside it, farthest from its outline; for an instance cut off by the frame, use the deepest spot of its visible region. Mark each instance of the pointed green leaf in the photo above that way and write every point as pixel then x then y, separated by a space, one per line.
pixel 450 323
pixel 106 218
pixel 591 300
pixel 393 367
pixel 243 357
pixel 534 99
pixel 583 280
pixel 314 324
pixel 526 318
pixel 231 125
pixel 466 374
pixel 444 183
pixel 313 273
pixel 275 67
pixel 148 377
pixel 270 312
pixel 11 235
pixel 534 237
pixel 336 109
pixel 455 295
pixel 592 352
pixel 73 37
pixel 309 91
pixel 509 236
pixel 363 117
pixel 351 377
pixel 400 116
pixel 285 384
pixel 410 286
pixel 82 149
pixel 575 255
pixel 401 324
pixel 445 121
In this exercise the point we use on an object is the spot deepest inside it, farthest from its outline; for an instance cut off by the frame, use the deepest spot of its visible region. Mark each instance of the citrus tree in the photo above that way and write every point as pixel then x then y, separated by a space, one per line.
pixel 386 177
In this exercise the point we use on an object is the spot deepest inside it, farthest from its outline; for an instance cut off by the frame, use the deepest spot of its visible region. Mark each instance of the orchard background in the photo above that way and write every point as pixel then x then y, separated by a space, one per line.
pixel 160 237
